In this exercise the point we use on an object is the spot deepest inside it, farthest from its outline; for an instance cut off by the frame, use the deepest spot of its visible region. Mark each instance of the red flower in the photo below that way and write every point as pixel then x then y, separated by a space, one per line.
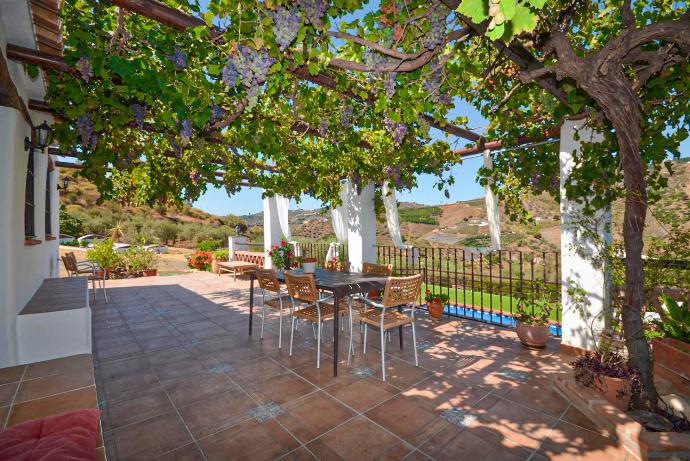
pixel 270 253
pixel 436 300
pixel 427 292
pixel 283 242
pixel 334 259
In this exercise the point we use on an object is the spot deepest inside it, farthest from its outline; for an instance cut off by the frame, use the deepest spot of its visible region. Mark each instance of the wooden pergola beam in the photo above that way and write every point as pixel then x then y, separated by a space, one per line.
pixel 9 95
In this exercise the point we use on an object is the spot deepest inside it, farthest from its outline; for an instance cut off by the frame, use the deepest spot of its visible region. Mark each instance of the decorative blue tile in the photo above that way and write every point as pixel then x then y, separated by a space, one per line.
pixel 220 369
pixel 363 372
pixel 263 413
pixel 424 345
pixel 458 417
pixel 516 375
pixel 191 343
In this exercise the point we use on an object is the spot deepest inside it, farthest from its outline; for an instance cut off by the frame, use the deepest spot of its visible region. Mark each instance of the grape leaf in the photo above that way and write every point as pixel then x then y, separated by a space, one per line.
pixel 538 4
pixel 476 10
pixel 523 20
pixel 496 32
pixel 508 8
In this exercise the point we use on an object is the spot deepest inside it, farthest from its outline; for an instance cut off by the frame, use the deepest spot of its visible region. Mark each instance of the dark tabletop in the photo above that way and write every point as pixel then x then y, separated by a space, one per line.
pixel 344 283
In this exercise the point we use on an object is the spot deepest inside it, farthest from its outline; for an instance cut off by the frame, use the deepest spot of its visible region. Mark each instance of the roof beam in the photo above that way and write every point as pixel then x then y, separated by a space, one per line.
pixel 9 95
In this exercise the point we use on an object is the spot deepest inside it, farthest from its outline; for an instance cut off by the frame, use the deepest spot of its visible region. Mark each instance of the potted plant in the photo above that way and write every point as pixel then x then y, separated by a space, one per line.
pixel 219 256
pixel 671 341
pixel 105 256
pixel 149 261
pixel 610 375
pixel 435 302
pixel 533 314
pixel 308 263
pixel 200 260
pixel 281 256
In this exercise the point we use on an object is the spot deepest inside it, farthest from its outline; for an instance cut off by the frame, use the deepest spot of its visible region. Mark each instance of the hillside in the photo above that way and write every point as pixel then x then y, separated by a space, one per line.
pixel 461 223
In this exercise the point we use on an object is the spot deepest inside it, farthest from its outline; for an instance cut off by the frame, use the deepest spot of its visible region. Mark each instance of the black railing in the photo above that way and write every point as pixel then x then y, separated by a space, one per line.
pixel 482 285
pixel 318 250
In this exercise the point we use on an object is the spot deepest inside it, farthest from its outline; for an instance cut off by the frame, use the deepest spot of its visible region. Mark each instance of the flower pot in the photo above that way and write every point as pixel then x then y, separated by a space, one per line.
pixel 100 273
pixel 672 361
pixel 150 272
pixel 615 390
pixel 532 336
pixel 309 267
pixel 215 266
pixel 435 310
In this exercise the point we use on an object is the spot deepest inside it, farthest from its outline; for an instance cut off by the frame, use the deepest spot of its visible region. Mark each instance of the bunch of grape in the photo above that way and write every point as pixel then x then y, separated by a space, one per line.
pixel 346 116
pixel 84 67
pixel 432 85
pixel 323 127
pixel 139 111
pixel 186 131
pixel 175 146
pixel 372 60
pixel 497 16
pixel 229 73
pixel 397 130
pixel 314 10
pixel 252 66
pixel 286 24
pixel 217 113
pixel 85 129
pixel 178 58
pixel 437 27
pixel 389 84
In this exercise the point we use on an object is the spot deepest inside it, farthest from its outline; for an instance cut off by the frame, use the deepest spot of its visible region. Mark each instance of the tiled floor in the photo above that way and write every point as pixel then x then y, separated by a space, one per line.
pixel 178 378
pixel 47 388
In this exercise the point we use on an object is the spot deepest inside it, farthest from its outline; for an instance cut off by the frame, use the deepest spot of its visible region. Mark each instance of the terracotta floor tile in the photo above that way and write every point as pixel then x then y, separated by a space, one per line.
pixel 408 420
pixel 301 454
pixel 418 456
pixel 4 412
pixel 472 443
pixel 113 369
pixel 11 374
pixel 257 370
pixel 359 440
pixel 402 374
pixel 576 417
pixel 438 393
pixel 151 402
pixel 187 453
pixel 193 388
pixel 249 440
pixel 56 404
pixel 129 386
pixel 362 394
pixel 567 441
pixel 540 395
pixel 514 422
pixel 217 412
pixel 64 365
pixel 54 384
pixel 150 438
pixel 163 356
pixel 281 389
pixel 313 415
pixel 7 392
pixel 180 368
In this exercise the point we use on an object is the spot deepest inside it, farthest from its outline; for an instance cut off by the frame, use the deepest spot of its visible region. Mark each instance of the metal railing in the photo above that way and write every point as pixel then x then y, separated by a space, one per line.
pixel 481 285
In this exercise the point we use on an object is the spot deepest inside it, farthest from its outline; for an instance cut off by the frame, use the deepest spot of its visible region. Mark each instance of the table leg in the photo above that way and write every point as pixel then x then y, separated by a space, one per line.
pixel 251 303
pixel 336 330
pixel 400 331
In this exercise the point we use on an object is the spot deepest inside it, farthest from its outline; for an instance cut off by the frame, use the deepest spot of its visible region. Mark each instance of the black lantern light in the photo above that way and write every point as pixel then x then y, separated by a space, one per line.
pixel 43 133
pixel 65 183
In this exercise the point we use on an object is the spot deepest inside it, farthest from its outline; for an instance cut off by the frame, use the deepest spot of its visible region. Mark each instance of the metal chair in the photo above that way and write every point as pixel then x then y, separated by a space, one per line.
pixel 399 292
pixel 271 296
pixel 89 268
pixel 302 290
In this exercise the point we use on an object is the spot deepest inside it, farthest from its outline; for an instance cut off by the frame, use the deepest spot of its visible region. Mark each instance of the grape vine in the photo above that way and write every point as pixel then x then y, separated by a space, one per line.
pixel 286 24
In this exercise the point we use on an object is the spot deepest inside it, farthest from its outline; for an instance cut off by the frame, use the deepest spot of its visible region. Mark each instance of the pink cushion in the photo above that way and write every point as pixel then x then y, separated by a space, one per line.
pixel 67 437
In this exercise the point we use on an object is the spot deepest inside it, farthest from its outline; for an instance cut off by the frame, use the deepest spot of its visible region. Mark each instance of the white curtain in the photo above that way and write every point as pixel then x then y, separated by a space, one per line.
pixel 282 205
pixel 492 211
pixel 392 220
pixel 339 217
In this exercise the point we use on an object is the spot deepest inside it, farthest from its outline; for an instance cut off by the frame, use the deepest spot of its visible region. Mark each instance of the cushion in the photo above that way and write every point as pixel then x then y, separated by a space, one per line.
pixel 70 436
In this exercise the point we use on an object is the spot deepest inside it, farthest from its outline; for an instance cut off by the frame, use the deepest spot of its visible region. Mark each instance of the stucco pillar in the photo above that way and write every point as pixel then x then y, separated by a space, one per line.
pixel 581 269
pixel 236 243
pixel 361 227
pixel 492 212
pixel 275 219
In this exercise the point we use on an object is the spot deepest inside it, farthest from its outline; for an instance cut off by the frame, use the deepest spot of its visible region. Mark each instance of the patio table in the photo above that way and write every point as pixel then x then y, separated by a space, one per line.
pixel 340 284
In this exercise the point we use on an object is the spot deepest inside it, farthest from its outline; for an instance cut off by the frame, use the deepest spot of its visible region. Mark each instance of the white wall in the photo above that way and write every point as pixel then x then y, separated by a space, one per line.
pixel 361 228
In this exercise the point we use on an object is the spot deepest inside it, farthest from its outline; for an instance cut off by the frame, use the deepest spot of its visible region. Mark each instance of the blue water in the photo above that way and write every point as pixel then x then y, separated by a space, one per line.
pixel 499 319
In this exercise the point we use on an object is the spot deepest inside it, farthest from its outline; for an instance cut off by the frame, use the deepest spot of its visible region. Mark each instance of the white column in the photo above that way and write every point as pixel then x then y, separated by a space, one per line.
pixel 581 323
pixel 392 218
pixel 236 243
pixel 272 231
pixel 361 228
pixel 492 212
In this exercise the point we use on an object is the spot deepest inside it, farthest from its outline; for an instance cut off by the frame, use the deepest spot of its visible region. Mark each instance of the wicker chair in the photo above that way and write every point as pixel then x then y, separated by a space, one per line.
pixel 302 290
pixel 399 291
pixel 271 296
pixel 89 268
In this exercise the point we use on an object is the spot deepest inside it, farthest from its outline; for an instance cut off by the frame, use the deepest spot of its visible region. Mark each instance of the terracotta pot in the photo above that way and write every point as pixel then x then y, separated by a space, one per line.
pixel 150 272
pixel 435 310
pixel 672 354
pixel 215 266
pixel 615 390
pixel 99 273
pixel 532 336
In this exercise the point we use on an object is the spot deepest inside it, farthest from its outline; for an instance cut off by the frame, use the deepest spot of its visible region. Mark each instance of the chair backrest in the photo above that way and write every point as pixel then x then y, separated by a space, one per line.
pixel 268 280
pixel 402 290
pixel 70 262
pixel 302 287
pixel 385 270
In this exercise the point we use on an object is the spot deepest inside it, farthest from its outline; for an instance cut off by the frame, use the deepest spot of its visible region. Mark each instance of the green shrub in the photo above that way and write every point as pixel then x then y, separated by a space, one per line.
pixel 166 231
pixel 420 215
pixel 209 245
pixel 221 255
pixel 135 259
pixel 104 254
pixel 70 223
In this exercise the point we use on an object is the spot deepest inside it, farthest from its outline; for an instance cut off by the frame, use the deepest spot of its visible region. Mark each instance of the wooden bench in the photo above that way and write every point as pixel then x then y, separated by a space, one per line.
pixel 244 261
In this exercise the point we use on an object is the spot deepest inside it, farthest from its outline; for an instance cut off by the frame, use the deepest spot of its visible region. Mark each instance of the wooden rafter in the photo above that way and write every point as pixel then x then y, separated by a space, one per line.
pixel 9 95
